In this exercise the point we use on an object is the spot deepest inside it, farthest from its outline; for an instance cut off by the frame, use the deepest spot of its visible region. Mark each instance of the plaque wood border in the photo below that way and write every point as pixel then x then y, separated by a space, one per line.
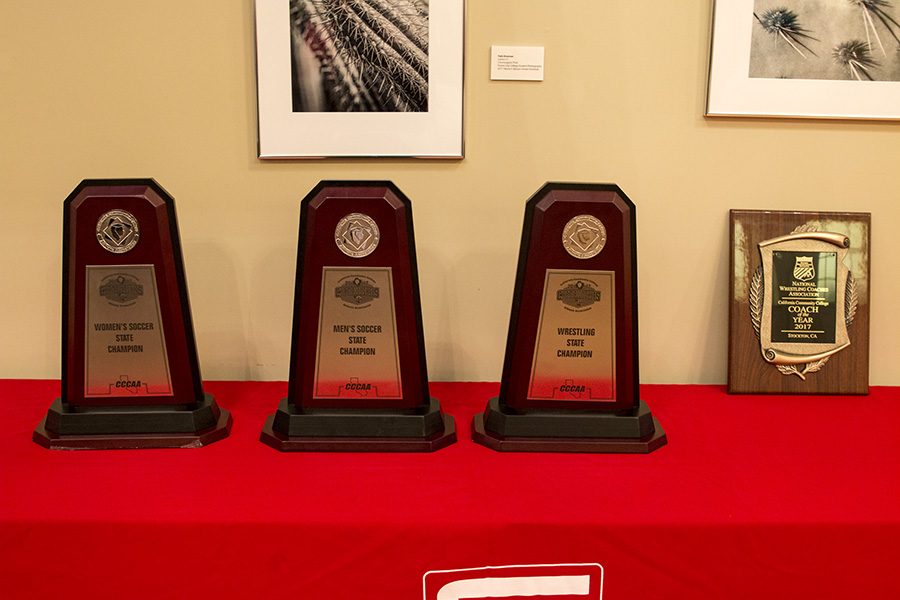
pixel 185 418
pixel 514 422
pixel 846 371
pixel 412 422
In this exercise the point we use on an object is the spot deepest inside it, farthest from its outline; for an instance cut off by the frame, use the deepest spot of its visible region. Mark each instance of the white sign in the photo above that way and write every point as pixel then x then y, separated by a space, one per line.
pixel 517 63
pixel 561 581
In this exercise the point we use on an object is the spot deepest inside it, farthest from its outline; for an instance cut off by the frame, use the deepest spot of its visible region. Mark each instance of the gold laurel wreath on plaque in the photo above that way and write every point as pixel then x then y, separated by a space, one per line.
pixel 757 289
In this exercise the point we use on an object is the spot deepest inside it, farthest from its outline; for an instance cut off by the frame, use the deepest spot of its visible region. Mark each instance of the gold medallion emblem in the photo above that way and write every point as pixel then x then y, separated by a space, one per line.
pixel 117 231
pixel 357 235
pixel 584 236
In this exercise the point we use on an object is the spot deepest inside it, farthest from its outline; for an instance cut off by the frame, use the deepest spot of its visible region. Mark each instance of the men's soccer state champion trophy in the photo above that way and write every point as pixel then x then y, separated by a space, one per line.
pixel 799 311
pixel 358 380
pixel 130 375
pixel 570 376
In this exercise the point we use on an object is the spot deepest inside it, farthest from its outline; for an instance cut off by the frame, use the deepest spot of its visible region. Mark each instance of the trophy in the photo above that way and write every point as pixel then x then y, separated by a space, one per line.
pixel 130 376
pixel 799 311
pixel 570 376
pixel 358 380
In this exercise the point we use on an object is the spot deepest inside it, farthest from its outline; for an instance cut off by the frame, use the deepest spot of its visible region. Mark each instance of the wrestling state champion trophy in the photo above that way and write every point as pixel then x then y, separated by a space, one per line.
pixel 570 376
pixel 130 375
pixel 358 379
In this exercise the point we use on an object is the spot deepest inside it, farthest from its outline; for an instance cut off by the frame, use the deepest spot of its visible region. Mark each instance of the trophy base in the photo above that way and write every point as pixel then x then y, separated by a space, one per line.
pixel 636 432
pixel 357 430
pixel 127 427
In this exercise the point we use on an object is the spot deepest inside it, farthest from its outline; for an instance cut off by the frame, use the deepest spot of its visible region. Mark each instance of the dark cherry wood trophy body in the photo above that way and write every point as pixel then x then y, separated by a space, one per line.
pixel 360 299
pixel 128 380
pixel 574 387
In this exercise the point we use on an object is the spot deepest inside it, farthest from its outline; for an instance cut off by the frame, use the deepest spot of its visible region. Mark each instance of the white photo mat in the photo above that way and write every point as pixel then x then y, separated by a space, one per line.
pixel 437 133
pixel 732 92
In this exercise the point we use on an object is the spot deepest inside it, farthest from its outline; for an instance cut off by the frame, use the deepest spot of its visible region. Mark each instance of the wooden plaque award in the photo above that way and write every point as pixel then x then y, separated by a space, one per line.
pixel 570 377
pixel 358 380
pixel 799 311
pixel 130 375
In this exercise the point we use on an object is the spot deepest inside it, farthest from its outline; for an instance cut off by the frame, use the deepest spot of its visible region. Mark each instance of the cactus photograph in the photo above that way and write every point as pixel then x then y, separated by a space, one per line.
pixel 359 78
pixel 855 40
pixel 359 55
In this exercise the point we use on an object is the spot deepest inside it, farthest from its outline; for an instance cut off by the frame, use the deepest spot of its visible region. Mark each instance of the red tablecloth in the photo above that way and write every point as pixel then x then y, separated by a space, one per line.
pixel 755 496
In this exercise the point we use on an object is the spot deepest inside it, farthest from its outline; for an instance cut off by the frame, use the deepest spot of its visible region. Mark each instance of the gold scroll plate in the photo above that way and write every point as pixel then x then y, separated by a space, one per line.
pixel 125 345
pixel 801 358
pixel 357 354
pixel 574 355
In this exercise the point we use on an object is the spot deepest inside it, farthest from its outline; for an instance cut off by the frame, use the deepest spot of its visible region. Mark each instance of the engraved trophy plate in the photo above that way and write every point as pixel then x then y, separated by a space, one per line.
pixel 357 353
pixel 574 356
pixel 802 299
pixel 357 235
pixel 125 348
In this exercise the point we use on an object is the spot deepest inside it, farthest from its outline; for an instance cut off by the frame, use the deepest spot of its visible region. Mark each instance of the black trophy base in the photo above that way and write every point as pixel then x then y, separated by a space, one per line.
pixel 637 432
pixel 357 430
pixel 132 427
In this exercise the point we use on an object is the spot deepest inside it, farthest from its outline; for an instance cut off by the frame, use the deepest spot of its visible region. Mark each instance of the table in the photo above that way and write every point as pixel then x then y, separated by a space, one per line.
pixel 753 497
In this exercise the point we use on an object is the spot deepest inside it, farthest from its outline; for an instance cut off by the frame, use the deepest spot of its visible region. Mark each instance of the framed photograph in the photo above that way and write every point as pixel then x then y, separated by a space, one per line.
pixel 360 78
pixel 830 59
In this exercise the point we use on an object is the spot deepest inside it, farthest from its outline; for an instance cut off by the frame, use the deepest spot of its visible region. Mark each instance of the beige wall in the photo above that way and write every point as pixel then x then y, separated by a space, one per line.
pixel 105 88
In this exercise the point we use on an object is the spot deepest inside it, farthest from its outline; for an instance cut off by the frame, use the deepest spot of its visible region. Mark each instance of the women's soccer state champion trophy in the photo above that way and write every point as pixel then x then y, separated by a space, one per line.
pixel 130 375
